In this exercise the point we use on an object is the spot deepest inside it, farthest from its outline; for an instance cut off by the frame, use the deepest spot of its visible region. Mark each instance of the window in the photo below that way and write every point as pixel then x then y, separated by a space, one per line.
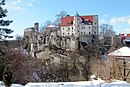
pixel 63 33
pixel 63 28
pixel 68 29
pixel 68 33
pixel 94 27
pixel 72 28
pixel 84 32
pixel 89 33
pixel 81 32
pixel 78 30
pixel 89 27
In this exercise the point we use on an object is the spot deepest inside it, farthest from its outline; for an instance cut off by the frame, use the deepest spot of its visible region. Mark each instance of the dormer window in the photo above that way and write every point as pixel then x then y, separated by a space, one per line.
pixel 86 20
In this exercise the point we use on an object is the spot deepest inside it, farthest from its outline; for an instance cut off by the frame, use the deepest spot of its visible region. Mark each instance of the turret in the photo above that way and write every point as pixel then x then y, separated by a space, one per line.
pixel 76 19
pixel 36 26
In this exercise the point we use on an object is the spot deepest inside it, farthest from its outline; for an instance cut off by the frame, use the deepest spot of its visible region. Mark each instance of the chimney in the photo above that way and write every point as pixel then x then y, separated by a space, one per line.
pixel 36 26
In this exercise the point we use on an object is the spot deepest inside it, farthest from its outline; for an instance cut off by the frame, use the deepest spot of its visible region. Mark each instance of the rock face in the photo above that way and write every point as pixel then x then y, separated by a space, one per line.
pixel 60 52
pixel 37 43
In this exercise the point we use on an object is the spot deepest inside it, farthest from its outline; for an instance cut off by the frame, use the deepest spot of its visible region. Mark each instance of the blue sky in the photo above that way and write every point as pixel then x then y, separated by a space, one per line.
pixel 25 13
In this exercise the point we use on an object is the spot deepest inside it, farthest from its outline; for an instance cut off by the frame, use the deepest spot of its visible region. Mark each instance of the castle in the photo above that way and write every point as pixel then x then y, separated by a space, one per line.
pixel 73 33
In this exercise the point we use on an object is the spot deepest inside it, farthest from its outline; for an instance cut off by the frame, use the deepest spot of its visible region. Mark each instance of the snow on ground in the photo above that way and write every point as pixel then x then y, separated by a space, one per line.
pixel 93 83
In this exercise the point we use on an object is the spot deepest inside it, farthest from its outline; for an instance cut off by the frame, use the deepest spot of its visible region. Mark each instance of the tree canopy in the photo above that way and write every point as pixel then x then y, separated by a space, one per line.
pixel 106 30
pixel 4 32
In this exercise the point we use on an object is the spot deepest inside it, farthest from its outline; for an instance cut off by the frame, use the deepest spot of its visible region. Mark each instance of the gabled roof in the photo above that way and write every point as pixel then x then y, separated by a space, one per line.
pixel 68 20
pixel 90 18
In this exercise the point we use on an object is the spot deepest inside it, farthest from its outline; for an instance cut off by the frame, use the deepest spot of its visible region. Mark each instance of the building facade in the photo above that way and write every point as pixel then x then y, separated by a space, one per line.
pixel 79 25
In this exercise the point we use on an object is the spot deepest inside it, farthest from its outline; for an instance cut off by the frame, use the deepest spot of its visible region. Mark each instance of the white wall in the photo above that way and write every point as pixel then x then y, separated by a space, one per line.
pixel 85 29
pixel 95 25
pixel 67 30
pixel 79 28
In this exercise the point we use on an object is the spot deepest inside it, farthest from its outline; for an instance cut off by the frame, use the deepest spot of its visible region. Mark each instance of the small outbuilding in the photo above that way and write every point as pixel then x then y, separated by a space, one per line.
pixel 123 53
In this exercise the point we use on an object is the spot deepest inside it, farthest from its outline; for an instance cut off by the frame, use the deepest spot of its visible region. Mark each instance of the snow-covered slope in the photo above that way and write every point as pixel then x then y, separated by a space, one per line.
pixel 93 83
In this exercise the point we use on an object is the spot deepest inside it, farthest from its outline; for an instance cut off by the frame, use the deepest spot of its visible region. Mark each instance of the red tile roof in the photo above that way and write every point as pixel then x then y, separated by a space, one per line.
pixel 90 18
pixel 68 20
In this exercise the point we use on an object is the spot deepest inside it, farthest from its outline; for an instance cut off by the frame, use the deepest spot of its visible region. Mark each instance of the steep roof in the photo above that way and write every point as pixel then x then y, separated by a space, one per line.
pixel 68 20
pixel 90 18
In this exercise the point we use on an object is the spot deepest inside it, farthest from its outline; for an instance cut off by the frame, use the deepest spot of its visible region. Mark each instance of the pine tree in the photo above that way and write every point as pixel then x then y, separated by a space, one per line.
pixel 4 34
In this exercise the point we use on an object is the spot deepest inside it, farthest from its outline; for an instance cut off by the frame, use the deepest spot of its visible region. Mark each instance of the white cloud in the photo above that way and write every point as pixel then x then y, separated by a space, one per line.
pixel 18 8
pixel 113 20
pixel 18 1
pixel 116 20
pixel 122 19
pixel 14 3
pixel 19 4
pixel 129 21
pixel 30 4
pixel 126 31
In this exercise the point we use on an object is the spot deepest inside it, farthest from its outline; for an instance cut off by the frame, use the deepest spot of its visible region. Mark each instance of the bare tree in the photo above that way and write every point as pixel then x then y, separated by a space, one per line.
pixel 106 30
pixel 56 22
pixel 18 37
pixel 59 16
pixel 46 23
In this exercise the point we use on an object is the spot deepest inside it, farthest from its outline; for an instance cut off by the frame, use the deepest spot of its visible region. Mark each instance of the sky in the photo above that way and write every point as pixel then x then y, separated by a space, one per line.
pixel 25 13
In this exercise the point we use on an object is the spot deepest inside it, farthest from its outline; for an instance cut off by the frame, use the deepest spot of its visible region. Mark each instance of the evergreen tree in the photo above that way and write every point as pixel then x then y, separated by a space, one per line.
pixel 4 33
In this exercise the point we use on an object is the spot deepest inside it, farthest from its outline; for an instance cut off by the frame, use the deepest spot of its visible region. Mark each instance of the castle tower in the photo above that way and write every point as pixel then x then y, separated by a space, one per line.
pixel 36 26
pixel 76 24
